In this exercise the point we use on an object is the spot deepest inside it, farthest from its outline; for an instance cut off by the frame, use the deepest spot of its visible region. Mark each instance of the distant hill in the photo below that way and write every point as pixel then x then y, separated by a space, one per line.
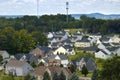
pixel 77 16
pixel 98 16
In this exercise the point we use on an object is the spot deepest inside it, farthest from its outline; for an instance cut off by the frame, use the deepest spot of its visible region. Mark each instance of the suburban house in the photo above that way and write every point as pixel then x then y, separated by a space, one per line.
pixel 18 68
pixel 105 39
pixel 41 51
pixel 95 36
pixel 45 61
pixel 49 35
pixel 102 54
pixel 82 43
pixel 30 58
pixel 114 50
pixel 52 40
pixel 115 39
pixel 57 60
pixel 4 55
pixel 91 49
pixel 39 72
pixel 66 49
pixel 87 61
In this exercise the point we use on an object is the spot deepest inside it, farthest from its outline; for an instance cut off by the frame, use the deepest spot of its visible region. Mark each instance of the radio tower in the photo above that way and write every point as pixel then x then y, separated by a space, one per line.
pixel 38 8
pixel 67 11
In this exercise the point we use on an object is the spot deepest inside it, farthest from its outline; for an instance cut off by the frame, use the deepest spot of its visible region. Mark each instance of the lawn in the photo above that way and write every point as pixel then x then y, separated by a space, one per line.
pixel 81 75
pixel 80 54
pixel 73 30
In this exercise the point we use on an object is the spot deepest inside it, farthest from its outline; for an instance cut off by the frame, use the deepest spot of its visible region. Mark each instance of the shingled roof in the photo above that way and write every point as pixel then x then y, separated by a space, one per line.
pixel 15 63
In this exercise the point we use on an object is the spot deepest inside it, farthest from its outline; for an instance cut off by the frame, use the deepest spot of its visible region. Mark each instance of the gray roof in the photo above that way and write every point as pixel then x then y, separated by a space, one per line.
pixel 91 48
pixel 15 63
pixel 106 44
pixel 52 57
pixel 67 47
pixel 63 57
pixel 83 40
pixel 90 63
pixel 45 49
pixel 113 48
pixel 28 57
pixel 104 39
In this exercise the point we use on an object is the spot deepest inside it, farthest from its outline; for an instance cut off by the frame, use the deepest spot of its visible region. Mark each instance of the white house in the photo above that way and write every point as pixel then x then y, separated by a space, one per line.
pixel 63 59
pixel 102 54
pixel 50 35
pixel 116 39
pixel 60 50
pixel 66 49
pixel 4 54
pixel 18 68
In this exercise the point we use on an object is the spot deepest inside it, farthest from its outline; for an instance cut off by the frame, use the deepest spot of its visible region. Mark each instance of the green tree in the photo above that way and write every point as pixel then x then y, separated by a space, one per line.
pixel 62 76
pixel 74 77
pixel 72 68
pixel 40 38
pixel 111 69
pixel 24 41
pixel 46 76
pixel 84 70
pixel 55 76
pixel 27 77
pixel 95 75
pixel 1 58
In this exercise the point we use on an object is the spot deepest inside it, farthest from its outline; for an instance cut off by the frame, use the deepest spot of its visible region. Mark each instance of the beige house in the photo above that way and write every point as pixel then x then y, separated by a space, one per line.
pixel 18 68
pixel 82 43
pixel 39 72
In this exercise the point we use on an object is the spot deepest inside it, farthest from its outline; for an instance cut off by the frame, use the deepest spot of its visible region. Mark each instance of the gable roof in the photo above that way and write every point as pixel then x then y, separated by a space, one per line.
pixel 91 48
pixel 15 63
pixel 63 57
pixel 41 69
pixel 83 40
pixel 28 57
pixel 90 63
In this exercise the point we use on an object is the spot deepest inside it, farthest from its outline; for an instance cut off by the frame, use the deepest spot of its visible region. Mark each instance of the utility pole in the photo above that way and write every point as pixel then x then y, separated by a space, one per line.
pixel 67 4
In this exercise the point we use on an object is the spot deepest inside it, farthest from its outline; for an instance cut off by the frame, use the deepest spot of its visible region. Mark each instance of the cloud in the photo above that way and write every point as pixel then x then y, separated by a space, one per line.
pixel 112 0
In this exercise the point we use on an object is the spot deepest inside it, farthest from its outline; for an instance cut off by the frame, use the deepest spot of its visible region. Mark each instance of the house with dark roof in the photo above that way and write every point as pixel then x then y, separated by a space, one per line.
pixel 39 72
pixel 57 60
pixel 41 51
pixel 30 58
pixel 18 68
pixel 91 49
pixel 87 61
pixel 84 42
pixel 103 54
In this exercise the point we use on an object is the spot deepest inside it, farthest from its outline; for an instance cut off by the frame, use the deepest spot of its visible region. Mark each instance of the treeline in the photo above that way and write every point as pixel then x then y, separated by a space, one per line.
pixel 45 23
pixel 57 22
pixel 92 25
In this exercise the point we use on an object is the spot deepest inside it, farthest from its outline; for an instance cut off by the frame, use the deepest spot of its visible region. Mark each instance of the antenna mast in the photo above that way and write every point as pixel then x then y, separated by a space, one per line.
pixel 67 11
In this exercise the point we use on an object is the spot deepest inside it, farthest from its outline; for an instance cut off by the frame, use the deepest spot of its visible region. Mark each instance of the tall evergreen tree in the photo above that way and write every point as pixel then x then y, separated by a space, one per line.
pixel 74 77
pixel 55 76
pixel 46 76
pixel 62 76
pixel 95 75
pixel 84 70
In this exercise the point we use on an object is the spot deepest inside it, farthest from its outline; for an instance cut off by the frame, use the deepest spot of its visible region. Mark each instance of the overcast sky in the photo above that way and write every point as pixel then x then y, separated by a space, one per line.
pixel 29 7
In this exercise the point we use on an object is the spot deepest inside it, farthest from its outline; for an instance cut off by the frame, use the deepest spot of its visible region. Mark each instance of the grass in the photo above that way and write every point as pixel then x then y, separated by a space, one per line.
pixel 81 75
pixel 80 54
pixel 73 30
